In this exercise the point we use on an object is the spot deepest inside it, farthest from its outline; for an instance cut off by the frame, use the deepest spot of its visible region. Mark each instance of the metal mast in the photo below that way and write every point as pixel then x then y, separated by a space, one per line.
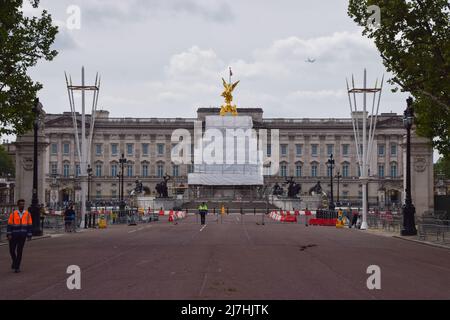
pixel 366 138
pixel 83 146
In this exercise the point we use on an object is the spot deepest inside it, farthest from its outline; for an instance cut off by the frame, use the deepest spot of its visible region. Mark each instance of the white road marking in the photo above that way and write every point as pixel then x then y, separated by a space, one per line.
pixel 139 229
pixel 203 228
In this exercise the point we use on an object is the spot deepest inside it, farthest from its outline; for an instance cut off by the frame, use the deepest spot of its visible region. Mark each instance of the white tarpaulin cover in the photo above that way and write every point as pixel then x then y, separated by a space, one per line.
pixel 234 172
pixel 226 179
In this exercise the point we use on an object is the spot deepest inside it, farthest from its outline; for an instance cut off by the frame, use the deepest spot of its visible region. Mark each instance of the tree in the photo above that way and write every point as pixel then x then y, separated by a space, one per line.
pixel 442 166
pixel 413 39
pixel 6 163
pixel 23 41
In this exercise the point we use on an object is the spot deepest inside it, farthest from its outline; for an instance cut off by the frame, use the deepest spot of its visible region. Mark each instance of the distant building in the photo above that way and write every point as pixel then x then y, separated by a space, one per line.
pixel 305 146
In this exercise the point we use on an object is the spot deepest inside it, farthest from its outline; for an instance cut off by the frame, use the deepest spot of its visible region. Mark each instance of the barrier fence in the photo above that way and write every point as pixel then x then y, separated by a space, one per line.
pixel 429 228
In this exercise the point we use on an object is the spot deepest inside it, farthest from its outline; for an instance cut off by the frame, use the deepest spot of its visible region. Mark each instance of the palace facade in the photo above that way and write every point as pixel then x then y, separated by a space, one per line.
pixel 305 147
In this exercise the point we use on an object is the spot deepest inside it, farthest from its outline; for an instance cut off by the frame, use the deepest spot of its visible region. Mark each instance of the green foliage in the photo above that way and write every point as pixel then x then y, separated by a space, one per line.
pixel 6 163
pixel 23 42
pixel 443 166
pixel 414 42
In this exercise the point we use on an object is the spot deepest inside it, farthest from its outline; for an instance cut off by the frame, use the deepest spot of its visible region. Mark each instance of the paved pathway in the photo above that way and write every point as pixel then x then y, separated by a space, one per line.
pixel 236 259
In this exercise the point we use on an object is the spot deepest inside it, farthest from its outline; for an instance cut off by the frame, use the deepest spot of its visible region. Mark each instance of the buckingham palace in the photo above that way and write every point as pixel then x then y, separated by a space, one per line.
pixel 304 148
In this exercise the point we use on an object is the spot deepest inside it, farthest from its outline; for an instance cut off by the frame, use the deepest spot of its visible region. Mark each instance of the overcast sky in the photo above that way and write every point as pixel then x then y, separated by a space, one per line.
pixel 165 58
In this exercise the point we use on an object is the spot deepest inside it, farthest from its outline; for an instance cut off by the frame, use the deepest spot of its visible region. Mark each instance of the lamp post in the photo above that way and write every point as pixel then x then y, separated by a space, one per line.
pixel 122 162
pixel 330 165
pixel 89 172
pixel 409 225
pixel 35 210
pixel 338 177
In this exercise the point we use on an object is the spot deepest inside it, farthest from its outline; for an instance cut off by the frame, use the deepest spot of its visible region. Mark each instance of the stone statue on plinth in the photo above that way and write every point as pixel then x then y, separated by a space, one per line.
pixel 161 187
pixel 294 188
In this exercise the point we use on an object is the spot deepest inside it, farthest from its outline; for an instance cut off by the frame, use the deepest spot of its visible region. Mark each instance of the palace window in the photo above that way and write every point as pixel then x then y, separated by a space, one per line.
pixel 98 170
pixel 114 149
pixel 298 170
pixel 54 168
pixel 314 170
pixel 330 149
pixel 394 170
pixel 145 170
pixel 345 171
pixel 66 148
pixel 175 170
pixel 284 149
pixel 114 170
pixel 381 170
pixel 283 170
pixel 381 150
pixel 314 148
pixel 160 170
pixel 345 148
pixel 145 149
pixel 66 170
pixel 130 148
pixel 298 150
pixel 54 148
pixel 129 170
pixel 393 149
pixel 98 149
pixel 160 148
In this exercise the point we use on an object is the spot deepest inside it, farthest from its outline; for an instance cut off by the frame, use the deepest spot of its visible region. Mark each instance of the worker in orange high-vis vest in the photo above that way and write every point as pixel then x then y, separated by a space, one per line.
pixel 20 227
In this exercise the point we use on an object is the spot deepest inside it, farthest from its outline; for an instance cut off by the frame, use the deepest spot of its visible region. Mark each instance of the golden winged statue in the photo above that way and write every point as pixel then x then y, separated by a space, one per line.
pixel 227 94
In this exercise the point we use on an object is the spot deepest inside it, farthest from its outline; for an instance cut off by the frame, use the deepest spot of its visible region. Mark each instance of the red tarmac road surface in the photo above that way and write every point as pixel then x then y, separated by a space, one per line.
pixel 229 260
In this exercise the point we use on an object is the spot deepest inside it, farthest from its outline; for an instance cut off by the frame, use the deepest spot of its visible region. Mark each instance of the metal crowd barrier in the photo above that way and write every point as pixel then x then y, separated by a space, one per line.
pixel 385 221
pixel 434 230
pixel 3 225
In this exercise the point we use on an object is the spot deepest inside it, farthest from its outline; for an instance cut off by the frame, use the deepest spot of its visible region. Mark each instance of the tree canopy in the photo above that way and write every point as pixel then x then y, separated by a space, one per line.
pixel 413 39
pixel 6 163
pixel 442 166
pixel 23 42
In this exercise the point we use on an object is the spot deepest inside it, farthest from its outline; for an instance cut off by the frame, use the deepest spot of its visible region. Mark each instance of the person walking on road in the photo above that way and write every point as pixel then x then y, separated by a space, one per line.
pixel 20 228
pixel 354 219
pixel 69 219
pixel 203 211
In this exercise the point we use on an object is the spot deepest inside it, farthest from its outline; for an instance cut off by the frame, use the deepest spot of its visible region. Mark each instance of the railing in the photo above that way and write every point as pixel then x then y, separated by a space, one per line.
pixel 387 221
pixel 3 225
pixel 434 230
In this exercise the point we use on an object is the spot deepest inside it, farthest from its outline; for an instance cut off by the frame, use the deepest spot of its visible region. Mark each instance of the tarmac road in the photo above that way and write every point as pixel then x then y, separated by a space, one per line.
pixel 231 260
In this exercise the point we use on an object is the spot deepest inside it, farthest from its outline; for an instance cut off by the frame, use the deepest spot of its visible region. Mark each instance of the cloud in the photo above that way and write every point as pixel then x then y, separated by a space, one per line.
pixel 136 10
pixel 194 63
pixel 276 78
pixel 65 39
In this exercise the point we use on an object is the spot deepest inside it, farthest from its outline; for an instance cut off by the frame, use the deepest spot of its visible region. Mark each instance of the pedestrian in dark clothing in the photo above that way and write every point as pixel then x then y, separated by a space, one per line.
pixel 354 219
pixel 20 228
pixel 69 219
pixel 203 210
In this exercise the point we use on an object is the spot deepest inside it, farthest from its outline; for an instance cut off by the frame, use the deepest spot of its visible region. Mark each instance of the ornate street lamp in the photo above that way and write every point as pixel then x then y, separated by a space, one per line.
pixel 409 225
pixel 338 177
pixel 330 165
pixel 35 210
pixel 89 172
pixel 122 162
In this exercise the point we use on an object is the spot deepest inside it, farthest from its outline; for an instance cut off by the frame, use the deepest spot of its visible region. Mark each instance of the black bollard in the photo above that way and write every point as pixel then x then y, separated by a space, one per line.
pixel 85 221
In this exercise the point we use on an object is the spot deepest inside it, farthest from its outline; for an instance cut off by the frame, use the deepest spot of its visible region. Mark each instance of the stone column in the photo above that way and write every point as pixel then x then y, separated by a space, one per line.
pixel 421 173
pixel 24 166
